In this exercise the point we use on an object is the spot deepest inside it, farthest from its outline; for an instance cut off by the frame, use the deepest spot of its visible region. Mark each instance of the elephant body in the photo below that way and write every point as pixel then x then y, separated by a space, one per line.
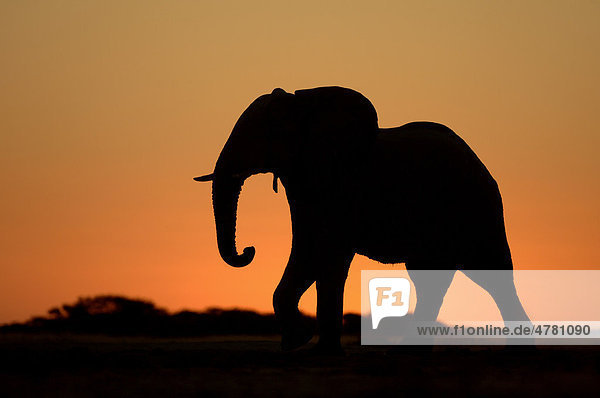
pixel 415 194
pixel 425 194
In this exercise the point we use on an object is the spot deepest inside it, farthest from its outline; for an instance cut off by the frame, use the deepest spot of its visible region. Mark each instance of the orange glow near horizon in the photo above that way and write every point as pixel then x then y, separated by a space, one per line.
pixel 110 109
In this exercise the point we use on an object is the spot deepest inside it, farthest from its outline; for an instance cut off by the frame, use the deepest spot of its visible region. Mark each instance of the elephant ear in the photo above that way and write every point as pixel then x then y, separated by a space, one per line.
pixel 338 130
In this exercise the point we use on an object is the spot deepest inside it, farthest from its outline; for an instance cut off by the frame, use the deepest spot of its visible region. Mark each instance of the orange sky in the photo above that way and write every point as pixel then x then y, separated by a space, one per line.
pixel 108 109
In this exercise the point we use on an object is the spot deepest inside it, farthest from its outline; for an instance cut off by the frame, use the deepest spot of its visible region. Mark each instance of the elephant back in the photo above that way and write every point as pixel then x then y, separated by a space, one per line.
pixel 338 130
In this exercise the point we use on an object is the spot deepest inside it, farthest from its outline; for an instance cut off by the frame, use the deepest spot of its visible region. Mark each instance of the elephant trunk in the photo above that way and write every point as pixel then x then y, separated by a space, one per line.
pixel 226 192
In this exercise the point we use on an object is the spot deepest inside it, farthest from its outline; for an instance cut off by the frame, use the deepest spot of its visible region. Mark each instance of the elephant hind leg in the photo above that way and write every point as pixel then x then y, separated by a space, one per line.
pixel 431 287
pixel 501 286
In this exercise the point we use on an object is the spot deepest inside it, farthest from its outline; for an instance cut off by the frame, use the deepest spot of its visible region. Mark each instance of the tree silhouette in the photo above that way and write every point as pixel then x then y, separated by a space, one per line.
pixel 122 316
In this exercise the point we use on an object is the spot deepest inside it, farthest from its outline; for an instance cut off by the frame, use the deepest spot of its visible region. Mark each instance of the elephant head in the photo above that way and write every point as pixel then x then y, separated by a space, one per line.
pixel 313 131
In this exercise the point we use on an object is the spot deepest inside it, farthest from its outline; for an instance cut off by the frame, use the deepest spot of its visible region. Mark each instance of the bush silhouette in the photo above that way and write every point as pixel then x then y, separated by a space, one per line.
pixel 122 316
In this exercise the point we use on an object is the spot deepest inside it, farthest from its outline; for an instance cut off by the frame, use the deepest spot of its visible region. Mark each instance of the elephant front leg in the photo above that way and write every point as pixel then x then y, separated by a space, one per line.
pixel 295 331
pixel 330 304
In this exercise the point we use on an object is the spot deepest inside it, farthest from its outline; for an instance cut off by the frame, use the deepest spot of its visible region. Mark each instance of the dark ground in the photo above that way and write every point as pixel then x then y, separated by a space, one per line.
pixel 98 366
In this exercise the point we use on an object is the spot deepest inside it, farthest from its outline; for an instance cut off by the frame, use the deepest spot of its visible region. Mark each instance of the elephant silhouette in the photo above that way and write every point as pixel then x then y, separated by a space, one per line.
pixel 415 194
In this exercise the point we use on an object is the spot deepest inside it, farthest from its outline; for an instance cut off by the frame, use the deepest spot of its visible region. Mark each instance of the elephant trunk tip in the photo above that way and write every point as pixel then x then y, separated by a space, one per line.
pixel 243 259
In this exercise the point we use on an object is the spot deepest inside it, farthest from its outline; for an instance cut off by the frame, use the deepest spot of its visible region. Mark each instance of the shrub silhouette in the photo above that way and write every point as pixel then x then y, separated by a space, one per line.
pixel 122 316
pixel 105 314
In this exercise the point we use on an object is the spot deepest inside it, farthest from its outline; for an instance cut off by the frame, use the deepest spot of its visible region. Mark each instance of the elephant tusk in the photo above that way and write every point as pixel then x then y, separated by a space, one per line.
pixel 211 177
pixel 275 182
pixel 208 177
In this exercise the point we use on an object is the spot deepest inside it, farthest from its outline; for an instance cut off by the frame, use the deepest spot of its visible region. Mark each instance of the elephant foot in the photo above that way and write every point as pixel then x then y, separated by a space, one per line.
pixel 295 337
pixel 528 347
pixel 329 349
pixel 403 350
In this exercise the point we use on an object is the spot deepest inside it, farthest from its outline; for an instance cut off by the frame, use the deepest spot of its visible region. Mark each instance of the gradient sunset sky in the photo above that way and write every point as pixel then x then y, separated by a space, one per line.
pixel 109 108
